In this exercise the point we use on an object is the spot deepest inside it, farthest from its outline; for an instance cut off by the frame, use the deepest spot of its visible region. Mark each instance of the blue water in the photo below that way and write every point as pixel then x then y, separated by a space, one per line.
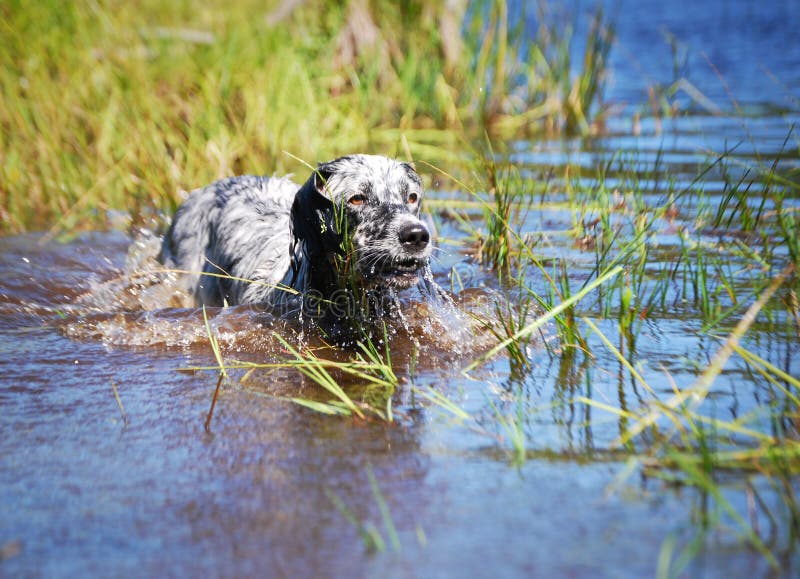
pixel 738 53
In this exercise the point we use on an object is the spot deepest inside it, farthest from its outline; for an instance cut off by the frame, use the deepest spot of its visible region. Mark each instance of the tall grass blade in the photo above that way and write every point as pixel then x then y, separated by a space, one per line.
pixel 542 320
pixel 223 374
pixel 311 366
pixel 698 391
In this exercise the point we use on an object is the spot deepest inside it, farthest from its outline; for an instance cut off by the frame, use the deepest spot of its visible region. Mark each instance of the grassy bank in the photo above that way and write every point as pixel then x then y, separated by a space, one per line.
pixel 119 106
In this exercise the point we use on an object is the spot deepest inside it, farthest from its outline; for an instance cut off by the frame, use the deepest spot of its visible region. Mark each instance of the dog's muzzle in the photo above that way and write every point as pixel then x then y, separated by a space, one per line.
pixel 401 269
pixel 414 237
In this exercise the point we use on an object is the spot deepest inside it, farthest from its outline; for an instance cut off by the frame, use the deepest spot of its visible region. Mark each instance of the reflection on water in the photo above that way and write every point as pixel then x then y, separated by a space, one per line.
pixel 86 489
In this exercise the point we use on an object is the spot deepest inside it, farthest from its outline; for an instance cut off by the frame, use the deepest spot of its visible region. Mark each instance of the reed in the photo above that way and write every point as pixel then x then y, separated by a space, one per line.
pixel 119 108
pixel 731 266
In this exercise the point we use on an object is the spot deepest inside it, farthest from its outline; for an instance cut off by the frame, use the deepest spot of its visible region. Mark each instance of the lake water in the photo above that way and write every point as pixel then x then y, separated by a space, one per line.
pixel 85 490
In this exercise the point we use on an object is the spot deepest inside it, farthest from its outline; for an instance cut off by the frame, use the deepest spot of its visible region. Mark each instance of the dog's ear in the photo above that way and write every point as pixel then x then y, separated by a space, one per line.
pixel 313 215
pixel 321 176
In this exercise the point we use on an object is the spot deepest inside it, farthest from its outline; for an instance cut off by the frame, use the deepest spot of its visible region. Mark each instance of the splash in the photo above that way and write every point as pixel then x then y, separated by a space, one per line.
pixel 109 288
pixel 142 285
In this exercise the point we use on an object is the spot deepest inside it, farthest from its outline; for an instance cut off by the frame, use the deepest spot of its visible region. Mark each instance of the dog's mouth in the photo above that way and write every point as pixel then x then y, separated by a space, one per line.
pixel 398 273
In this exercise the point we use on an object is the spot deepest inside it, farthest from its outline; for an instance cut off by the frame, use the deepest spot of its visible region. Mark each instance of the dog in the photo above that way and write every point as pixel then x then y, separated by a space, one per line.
pixel 352 229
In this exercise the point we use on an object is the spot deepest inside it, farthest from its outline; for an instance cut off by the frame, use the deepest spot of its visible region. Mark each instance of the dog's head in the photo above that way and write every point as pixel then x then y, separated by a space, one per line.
pixel 365 208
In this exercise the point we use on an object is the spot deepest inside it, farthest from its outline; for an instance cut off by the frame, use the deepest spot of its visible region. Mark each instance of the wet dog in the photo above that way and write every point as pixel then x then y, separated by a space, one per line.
pixel 353 227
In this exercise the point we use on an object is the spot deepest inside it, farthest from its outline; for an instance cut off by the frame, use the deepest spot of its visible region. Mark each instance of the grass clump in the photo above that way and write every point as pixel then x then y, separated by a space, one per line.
pixel 698 264
pixel 499 246
pixel 361 385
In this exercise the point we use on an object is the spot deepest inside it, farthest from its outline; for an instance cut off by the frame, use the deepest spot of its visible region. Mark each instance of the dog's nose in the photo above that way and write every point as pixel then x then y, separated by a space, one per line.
pixel 414 236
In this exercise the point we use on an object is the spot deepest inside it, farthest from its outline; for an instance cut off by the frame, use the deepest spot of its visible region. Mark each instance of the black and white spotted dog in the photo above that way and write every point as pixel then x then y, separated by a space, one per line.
pixel 354 225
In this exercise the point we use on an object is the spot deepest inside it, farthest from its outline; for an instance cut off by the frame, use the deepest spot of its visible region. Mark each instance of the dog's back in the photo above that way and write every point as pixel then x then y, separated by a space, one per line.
pixel 234 230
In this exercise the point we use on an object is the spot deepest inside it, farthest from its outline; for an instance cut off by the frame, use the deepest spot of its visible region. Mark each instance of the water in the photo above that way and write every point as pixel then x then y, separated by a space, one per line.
pixel 736 53
pixel 86 489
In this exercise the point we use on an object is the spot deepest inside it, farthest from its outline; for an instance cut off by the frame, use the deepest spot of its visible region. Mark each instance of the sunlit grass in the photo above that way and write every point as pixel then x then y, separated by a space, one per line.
pixel 122 106
pixel 223 373
pixel 741 280
pixel 733 290
pixel 361 386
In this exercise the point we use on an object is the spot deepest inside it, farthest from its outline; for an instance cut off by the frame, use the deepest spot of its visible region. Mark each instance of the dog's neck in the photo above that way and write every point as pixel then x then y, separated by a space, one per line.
pixel 333 301
pixel 314 272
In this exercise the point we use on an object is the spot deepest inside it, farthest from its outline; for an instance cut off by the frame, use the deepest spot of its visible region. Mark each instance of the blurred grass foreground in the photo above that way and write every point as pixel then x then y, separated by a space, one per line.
pixel 109 105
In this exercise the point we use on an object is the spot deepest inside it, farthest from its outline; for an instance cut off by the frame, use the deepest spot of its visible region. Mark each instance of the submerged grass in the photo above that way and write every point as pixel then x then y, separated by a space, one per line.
pixel 361 386
pixel 312 367
pixel 371 536
pixel 727 274
pixel 731 264
pixel 223 373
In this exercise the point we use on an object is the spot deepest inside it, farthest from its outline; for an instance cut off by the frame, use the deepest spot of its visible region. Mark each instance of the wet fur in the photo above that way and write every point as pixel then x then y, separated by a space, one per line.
pixel 243 240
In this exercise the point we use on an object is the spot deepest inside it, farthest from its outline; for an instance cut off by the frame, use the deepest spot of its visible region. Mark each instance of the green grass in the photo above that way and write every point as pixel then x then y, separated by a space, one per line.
pixel 714 280
pixel 675 437
pixel 119 107
pixel 361 386
pixel 738 283
pixel 612 278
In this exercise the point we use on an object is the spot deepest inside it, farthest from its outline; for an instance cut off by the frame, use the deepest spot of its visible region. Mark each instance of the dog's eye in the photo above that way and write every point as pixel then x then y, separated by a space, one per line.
pixel 412 198
pixel 357 200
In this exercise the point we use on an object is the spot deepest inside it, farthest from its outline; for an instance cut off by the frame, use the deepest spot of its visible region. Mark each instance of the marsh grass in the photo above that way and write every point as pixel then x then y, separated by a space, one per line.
pixel 528 329
pixel 310 366
pixel 685 446
pixel 368 374
pixel 361 386
pixel 496 247
pixel 578 94
pixel 556 93
pixel 512 424
pixel 737 285
pixel 731 264
pixel 223 373
pixel 123 107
